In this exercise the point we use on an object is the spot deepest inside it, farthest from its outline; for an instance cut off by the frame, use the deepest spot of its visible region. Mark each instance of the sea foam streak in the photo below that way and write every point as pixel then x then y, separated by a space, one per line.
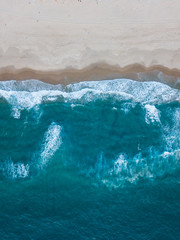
pixel 52 141
pixel 15 170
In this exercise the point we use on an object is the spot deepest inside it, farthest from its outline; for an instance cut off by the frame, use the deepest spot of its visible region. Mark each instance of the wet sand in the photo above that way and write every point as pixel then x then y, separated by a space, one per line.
pixel 96 72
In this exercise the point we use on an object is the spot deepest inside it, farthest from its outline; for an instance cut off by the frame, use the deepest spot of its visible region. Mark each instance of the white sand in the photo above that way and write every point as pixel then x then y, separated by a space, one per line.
pixel 54 35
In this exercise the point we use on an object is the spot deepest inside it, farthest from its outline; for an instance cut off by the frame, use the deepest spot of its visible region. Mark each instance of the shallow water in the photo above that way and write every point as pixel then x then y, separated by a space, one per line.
pixel 92 160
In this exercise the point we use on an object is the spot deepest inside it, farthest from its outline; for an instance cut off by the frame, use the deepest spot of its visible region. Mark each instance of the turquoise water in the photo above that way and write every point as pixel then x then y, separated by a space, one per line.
pixel 92 160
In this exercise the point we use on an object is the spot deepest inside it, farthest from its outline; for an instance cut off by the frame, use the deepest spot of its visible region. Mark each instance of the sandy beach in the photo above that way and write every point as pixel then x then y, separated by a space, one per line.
pixel 61 41
pixel 82 158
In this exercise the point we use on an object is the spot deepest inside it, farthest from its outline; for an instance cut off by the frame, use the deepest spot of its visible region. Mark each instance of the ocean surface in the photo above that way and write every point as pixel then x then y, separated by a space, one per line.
pixel 90 160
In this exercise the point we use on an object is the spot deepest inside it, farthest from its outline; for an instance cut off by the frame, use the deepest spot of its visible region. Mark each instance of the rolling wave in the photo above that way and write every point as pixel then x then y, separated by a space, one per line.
pixel 116 131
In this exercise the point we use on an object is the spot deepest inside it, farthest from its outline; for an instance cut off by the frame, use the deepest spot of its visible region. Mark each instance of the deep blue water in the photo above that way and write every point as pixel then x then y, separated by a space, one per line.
pixel 92 160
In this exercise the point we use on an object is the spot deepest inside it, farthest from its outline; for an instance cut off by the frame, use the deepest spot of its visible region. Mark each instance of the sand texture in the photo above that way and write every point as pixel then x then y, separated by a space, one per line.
pixel 71 40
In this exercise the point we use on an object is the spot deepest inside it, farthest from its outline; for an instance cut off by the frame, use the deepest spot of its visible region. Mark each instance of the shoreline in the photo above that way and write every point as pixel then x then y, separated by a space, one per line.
pixel 95 72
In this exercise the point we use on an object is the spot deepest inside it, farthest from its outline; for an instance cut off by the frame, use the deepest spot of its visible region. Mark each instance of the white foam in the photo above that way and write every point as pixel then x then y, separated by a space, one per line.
pixel 130 170
pixel 52 141
pixel 144 92
pixel 16 170
pixel 21 100
pixel 30 85
pixel 125 170
pixel 170 133
pixel 27 97
pixel 120 164
pixel 152 114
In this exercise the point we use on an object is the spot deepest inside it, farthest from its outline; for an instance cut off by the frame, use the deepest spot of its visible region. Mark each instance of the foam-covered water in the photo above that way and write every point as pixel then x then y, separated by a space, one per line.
pixel 51 143
pixel 90 160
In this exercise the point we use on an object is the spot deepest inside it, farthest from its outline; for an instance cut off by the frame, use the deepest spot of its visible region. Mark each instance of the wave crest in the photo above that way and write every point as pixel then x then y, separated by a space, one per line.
pixel 23 96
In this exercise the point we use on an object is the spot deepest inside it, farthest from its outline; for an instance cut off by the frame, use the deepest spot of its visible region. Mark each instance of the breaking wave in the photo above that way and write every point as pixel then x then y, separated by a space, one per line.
pixel 116 131
pixel 30 93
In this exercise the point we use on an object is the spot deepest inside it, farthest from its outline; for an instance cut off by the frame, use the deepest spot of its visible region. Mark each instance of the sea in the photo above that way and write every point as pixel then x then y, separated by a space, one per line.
pixel 93 160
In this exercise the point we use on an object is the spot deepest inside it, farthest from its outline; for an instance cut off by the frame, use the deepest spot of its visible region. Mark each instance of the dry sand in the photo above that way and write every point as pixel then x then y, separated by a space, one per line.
pixel 69 40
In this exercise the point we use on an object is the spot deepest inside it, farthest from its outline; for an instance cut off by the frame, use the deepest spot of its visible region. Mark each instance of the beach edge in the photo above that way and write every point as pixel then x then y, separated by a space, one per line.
pixel 94 72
